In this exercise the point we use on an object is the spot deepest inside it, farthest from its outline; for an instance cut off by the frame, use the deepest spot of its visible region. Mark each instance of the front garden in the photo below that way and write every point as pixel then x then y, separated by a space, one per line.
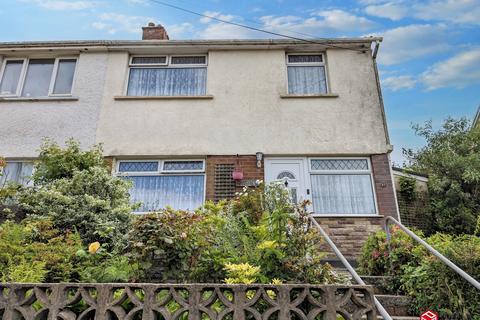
pixel 74 224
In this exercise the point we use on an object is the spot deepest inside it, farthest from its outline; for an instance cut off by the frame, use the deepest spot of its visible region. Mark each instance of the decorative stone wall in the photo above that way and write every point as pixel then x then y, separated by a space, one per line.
pixel 349 233
pixel 246 163
pixel 185 301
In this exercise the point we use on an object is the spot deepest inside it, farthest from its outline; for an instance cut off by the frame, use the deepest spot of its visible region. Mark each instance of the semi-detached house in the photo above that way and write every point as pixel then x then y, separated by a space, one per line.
pixel 181 118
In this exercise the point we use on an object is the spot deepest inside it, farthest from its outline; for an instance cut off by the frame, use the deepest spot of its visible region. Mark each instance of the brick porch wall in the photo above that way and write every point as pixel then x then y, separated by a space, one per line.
pixel 247 163
pixel 349 233
pixel 384 185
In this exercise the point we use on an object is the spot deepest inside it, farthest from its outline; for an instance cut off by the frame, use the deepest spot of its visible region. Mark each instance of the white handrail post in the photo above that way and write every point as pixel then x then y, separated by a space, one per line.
pixel 349 267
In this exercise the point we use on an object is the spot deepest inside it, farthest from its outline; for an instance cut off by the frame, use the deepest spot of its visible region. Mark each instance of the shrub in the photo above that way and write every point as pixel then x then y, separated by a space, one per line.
pixel 99 265
pixel 76 191
pixel 204 246
pixel 34 251
pixel 434 285
pixel 430 283
pixel 170 237
pixel 380 258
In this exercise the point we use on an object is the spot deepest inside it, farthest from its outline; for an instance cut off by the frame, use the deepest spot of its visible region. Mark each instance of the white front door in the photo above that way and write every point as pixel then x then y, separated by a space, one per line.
pixel 291 172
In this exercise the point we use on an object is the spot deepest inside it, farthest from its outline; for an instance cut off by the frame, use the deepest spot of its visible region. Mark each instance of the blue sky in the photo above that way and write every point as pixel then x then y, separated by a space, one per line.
pixel 429 61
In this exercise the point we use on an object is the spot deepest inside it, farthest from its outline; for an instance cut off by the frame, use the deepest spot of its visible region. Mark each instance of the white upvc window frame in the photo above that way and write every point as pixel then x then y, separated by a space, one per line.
pixel 162 172
pixel 166 65
pixel 369 172
pixel 308 64
pixel 53 77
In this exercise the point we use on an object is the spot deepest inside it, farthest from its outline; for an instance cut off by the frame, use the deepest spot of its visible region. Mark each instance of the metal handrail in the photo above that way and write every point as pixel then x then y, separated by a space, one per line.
pixel 437 254
pixel 349 267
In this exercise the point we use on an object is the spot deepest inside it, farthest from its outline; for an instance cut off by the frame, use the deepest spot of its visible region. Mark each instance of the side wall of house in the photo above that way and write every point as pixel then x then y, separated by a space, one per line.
pixel 25 123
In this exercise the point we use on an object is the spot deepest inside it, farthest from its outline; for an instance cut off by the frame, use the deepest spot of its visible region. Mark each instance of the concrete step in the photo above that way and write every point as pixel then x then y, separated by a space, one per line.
pixel 378 282
pixel 395 305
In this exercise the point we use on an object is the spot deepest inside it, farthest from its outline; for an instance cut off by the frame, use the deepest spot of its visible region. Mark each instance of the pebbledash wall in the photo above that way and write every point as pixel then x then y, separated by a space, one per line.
pixel 25 122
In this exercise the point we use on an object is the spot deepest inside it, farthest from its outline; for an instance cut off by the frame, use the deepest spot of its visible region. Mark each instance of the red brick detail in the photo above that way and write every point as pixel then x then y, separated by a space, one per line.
pixel 349 233
pixel 154 32
pixel 383 185
pixel 246 163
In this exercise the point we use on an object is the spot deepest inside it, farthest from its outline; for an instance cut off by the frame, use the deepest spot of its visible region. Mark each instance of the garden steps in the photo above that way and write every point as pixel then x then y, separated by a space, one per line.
pixel 396 305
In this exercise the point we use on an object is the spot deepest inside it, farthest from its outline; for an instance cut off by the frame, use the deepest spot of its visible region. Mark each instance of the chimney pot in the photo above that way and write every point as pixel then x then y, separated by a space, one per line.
pixel 154 32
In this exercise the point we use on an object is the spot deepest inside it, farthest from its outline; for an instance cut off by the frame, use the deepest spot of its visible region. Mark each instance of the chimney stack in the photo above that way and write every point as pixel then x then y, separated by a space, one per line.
pixel 154 32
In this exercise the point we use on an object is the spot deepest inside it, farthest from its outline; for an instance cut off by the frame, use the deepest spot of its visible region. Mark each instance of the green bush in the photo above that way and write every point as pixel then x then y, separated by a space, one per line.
pixel 101 266
pixel 433 285
pixel 76 191
pixel 381 258
pixel 259 228
pixel 430 283
pixel 34 251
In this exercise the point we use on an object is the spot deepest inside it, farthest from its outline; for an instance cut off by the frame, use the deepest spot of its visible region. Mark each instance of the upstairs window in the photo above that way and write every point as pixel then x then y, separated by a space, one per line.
pixel 306 74
pixel 37 77
pixel 157 184
pixel 168 76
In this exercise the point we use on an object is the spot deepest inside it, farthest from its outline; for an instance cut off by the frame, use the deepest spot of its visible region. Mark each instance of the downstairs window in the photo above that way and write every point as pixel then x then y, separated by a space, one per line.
pixel 342 186
pixel 157 184
pixel 16 171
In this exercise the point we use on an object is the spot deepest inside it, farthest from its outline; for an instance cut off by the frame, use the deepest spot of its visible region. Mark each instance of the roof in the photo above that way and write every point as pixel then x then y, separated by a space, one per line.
pixel 404 172
pixel 355 43
pixel 476 120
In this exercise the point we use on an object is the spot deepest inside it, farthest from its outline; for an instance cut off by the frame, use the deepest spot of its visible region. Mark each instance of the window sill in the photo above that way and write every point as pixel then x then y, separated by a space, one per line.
pixel 302 96
pixel 208 96
pixel 33 99
pixel 319 215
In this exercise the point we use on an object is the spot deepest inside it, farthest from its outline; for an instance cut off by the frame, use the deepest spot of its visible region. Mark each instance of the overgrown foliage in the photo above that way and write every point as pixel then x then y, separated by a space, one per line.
pixel 259 229
pixel 34 251
pixel 451 158
pixel 76 191
pixel 430 283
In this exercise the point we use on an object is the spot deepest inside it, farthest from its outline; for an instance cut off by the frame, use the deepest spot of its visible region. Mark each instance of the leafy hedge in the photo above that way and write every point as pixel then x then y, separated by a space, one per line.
pixel 416 272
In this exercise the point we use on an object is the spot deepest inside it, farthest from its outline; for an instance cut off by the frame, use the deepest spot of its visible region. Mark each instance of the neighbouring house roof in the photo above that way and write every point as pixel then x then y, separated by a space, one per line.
pixel 408 173
pixel 232 44
pixel 476 120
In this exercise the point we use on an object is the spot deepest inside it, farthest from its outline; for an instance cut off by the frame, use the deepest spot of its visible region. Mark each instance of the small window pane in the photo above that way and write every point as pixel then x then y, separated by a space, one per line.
pixel 64 79
pixel 18 172
pixel 342 194
pixel 189 60
pixel 149 60
pixel 37 80
pixel 11 75
pixel 182 165
pixel 306 80
pixel 181 192
pixel 138 166
pixel 305 58
pixel 339 164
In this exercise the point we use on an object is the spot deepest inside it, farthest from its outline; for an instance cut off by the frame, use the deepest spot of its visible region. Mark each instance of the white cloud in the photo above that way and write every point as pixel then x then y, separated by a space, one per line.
pixel 215 14
pixel 389 10
pixel 413 41
pixel 459 71
pixel 115 22
pixel 400 82
pixel 327 21
pixel 63 4
pixel 455 11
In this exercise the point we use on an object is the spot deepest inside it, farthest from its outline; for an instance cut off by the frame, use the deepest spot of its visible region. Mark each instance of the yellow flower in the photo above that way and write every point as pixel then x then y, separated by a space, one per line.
pixel 93 247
